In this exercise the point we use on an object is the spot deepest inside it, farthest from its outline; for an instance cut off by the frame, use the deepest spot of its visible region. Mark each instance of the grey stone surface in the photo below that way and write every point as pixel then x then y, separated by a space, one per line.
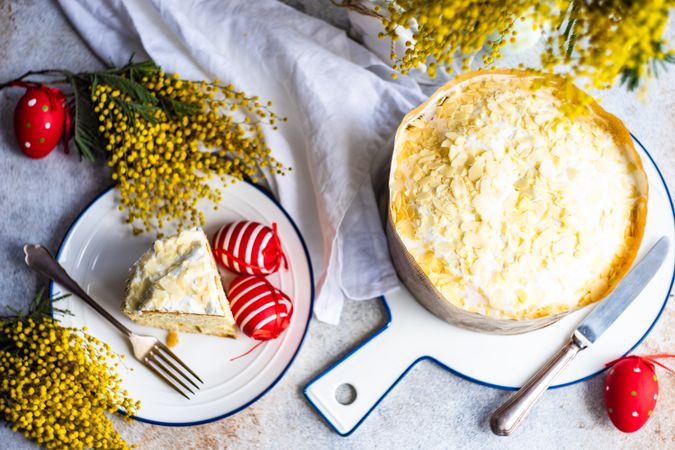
pixel 430 408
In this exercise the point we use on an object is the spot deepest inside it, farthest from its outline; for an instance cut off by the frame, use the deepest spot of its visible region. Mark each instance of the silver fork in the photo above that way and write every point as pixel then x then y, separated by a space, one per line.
pixel 147 349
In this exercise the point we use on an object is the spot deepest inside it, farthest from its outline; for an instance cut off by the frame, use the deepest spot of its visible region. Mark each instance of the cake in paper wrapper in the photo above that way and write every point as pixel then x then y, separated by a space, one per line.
pixel 504 213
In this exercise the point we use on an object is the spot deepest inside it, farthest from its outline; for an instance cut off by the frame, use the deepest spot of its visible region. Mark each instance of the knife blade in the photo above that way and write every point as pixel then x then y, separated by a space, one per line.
pixel 505 419
pixel 608 310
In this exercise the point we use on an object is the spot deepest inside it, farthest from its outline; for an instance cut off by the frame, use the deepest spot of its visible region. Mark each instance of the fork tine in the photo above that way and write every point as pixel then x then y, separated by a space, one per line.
pixel 160 365
pixel 175 369
pixel 177 359
pixel 166 380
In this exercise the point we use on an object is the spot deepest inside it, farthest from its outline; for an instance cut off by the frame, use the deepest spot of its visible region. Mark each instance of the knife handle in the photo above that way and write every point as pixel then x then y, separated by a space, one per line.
pixel 507 418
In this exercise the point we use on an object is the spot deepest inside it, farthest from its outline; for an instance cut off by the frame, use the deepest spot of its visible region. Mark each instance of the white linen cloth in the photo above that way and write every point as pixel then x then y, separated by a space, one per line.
pixel 342 107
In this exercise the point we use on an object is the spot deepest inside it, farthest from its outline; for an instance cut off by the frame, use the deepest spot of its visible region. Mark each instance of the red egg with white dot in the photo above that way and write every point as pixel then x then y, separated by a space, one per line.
pixel 630 392
pixel 260 309
pixel 39 119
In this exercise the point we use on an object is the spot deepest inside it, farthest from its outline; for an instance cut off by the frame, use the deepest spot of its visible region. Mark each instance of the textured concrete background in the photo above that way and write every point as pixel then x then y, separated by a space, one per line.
pixel 431 408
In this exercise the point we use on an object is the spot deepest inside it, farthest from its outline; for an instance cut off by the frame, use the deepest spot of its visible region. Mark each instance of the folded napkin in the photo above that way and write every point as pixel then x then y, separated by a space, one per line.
pixel 342 105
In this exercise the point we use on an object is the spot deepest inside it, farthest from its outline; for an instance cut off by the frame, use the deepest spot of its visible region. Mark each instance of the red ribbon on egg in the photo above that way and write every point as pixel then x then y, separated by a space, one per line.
pixel 650 358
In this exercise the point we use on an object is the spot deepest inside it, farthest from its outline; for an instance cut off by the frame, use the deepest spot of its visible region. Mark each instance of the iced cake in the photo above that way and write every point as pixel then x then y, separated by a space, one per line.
pixel 507 206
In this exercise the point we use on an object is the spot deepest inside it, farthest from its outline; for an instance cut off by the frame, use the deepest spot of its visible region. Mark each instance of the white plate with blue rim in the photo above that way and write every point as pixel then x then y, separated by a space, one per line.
pixel 413 334
pixel 98 250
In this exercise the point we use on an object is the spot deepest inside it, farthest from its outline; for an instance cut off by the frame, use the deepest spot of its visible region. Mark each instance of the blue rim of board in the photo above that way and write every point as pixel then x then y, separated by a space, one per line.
pixel 302 340
pixel 466 377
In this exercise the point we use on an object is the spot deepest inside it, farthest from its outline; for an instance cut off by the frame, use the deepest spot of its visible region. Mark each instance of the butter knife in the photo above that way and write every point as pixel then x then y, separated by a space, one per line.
pixel 508 416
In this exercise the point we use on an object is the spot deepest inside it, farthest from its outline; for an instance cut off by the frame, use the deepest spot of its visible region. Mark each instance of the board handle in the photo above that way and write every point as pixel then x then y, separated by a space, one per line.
pixel 371 369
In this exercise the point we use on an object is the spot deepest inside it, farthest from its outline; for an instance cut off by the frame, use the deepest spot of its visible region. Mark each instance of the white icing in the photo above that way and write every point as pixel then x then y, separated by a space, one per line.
pixel 178 275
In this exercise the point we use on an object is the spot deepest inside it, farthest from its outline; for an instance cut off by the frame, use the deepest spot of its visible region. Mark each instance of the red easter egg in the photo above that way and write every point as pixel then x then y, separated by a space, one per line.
pixel 631 389
pixel 261 310
pixel 248 247
pixel 38 120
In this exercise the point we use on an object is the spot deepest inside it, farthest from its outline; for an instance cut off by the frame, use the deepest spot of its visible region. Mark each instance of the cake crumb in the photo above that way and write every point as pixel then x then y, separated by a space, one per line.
pixel 171 339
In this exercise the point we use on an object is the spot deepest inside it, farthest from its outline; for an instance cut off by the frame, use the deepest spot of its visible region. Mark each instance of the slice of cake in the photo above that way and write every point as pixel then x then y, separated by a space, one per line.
pixel 175 285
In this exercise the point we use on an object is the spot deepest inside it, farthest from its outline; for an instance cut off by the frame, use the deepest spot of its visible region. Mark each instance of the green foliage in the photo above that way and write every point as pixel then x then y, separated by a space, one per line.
pixel 88 141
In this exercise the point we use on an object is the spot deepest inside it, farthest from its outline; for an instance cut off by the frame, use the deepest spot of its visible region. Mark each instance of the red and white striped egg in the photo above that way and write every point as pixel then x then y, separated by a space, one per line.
pixel 248 247
pixel 261 310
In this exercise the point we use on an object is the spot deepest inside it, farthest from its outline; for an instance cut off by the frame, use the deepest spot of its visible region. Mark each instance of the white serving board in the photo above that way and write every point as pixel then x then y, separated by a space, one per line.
pixel 505 362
